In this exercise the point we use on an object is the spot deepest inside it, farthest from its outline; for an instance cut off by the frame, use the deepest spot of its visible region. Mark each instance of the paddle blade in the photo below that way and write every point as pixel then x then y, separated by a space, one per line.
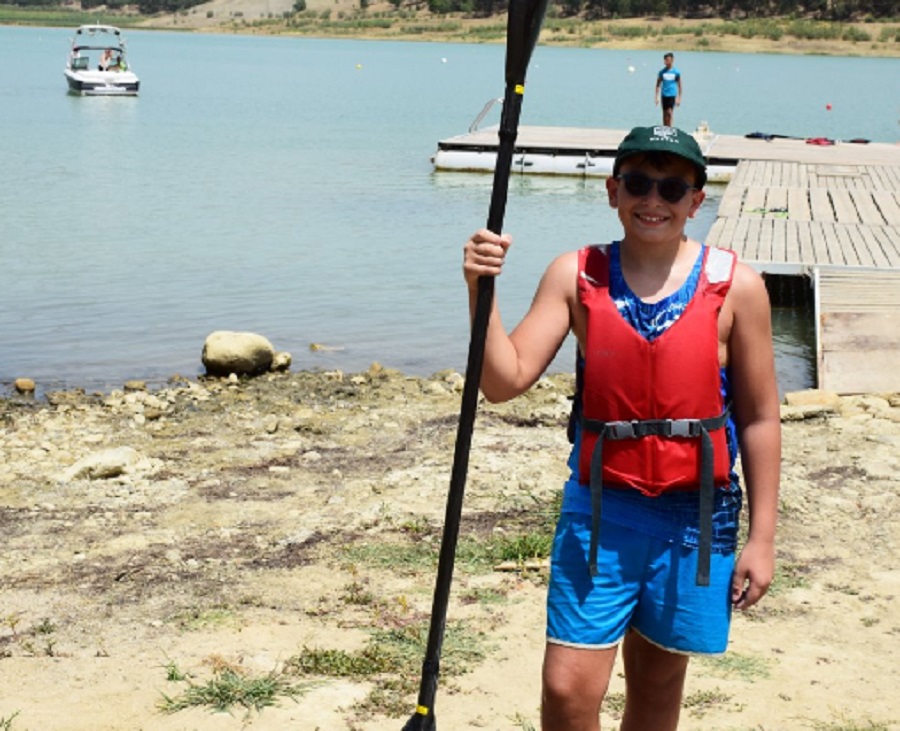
pixel 524 27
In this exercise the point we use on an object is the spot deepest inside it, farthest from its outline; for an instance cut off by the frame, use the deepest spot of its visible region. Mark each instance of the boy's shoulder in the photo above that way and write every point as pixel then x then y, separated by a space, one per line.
pixel 748 289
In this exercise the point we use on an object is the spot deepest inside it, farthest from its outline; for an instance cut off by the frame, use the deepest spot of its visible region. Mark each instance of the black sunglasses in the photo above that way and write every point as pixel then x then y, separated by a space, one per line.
pixel 671 190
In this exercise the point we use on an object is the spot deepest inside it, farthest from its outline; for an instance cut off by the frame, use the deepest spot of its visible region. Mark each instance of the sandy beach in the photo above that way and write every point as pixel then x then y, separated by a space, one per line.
pixel 269 546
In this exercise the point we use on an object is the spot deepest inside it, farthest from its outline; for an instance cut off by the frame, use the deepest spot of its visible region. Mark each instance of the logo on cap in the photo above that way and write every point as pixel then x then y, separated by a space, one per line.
pixel 665 134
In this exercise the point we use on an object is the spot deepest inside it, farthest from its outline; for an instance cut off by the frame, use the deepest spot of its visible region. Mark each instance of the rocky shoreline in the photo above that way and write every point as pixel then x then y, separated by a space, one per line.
pixel 250 520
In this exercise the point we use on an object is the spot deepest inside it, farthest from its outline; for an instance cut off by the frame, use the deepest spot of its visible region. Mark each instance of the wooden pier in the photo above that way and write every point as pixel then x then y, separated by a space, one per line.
pixel 827 212
pixel 839 224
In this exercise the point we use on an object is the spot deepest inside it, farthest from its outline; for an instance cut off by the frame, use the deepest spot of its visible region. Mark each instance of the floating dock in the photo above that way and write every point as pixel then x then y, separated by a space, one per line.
pixel 589 152
pixel 826 212
pixel 837 223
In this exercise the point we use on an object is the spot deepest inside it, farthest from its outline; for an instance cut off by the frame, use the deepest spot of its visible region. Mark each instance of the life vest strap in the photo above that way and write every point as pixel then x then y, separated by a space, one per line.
pixel 677 428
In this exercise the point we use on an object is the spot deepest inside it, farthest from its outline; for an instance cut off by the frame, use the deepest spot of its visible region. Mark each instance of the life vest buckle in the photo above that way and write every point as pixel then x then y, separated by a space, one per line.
pixel 621 430
pixel 681 428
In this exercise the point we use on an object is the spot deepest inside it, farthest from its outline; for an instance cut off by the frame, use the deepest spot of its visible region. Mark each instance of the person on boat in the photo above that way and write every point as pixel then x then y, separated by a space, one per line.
pixel 675 375
pixel 668 89
pixel 105 60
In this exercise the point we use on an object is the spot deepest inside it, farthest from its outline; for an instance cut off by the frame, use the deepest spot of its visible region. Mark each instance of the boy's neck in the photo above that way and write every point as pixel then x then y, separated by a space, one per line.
pixel 655 271
pixel 652 254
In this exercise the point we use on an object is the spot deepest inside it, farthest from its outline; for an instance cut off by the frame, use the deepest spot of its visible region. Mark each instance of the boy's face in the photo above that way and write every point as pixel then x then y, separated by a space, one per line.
pixel 668 60
pixel 645 193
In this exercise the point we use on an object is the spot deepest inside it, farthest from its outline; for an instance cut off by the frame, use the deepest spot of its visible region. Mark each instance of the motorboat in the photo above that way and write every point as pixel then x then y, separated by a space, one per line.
pixel 97 64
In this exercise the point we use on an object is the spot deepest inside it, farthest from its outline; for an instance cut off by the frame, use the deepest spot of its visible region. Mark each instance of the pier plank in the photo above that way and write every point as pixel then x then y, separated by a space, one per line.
pixel 873 246
pixel 779 240
pixel 822 231
pixel 820 203
pixel 844 210
pixel 850 246
pixel 739 242
pixel 716 232
pixel 732 201
pixel 889 238
pixel 888 205
pixel 754 201
pixel 865 207
pixel 798 204
pixel 776 202
pixel 804 237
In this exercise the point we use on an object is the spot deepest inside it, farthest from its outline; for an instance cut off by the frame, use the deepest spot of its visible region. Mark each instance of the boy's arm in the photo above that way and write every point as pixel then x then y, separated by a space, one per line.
pixel 678 97
pixel 514 361
pixel 658 85
pixel 755 394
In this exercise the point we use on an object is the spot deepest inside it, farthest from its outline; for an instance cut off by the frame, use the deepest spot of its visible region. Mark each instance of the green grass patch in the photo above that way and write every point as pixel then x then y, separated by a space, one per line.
pixel 231 687
pixel 53 17
pixel 701 701
pixel 391 661
pixel 199 618
pixel 630 31
pixel 486 32
pixel 789 576
pixel 423 28
pixel 614 704
pixel 406 558
pixel 474 555
pixel 735 665
pixel 844 725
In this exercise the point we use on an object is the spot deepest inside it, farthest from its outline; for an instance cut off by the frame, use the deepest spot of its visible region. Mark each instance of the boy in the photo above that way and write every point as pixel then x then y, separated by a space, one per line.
pixel 668 81
pixel 675 370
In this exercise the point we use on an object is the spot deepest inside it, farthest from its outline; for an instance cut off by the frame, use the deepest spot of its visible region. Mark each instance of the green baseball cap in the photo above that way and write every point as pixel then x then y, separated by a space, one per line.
pixel 646 140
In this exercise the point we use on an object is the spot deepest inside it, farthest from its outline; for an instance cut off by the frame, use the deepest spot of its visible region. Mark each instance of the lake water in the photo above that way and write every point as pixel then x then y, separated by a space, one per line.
pixel 284 186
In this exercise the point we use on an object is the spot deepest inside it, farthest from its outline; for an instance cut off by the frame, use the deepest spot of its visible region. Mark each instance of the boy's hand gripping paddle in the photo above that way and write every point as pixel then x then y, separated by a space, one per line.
pixel 524 26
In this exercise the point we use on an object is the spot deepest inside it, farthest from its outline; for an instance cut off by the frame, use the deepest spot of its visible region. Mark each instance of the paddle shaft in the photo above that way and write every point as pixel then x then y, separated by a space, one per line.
pixel 525 18
pixel 424 718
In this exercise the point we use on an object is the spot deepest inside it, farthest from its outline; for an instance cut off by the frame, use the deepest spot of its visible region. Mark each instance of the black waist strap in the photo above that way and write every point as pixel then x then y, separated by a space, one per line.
pixel 687 428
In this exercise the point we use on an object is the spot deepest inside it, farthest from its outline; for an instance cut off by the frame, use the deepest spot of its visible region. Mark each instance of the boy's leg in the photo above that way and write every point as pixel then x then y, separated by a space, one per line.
pixel 668 107
pixel 574 684
pixel 654 682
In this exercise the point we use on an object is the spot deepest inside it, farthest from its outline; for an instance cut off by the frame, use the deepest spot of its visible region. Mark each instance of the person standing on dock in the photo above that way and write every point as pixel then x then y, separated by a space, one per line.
pixel 675 376
pixel 668 88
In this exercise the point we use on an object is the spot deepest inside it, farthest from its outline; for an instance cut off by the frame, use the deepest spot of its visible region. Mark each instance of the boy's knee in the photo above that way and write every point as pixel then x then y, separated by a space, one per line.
pixel 570 702
pixel 567 712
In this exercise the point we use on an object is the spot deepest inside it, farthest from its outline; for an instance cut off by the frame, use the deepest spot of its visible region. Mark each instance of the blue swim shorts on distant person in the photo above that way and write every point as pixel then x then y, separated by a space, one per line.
pixel 644 583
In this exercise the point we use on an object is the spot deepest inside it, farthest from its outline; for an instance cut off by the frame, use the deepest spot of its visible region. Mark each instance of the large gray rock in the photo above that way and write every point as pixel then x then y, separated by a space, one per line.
pixel 245 354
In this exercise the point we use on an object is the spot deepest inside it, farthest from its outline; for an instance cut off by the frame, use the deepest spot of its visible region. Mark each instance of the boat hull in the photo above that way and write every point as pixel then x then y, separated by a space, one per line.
pixel 102 83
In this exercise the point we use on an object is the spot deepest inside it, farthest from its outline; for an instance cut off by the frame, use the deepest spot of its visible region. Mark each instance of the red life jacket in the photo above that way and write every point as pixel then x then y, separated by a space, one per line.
pixel 673 377
pixel 652 413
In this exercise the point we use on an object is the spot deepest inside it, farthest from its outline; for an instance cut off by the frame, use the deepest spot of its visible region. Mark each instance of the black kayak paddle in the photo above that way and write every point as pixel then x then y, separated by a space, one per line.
pixel 523 28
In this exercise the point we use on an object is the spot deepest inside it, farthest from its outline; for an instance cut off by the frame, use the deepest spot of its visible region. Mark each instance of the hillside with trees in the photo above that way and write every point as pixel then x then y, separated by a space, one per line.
pixel 826 10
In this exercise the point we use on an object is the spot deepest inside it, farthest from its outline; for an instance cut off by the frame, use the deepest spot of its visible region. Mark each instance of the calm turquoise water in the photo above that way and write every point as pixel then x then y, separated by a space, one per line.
pixel 284 186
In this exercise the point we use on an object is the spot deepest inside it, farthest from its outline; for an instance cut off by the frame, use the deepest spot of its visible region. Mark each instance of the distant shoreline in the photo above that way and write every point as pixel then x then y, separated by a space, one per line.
pixel 339 19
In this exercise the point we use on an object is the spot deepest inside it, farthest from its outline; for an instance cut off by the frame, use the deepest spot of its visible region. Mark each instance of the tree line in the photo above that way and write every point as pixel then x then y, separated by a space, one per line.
pixel 830 10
